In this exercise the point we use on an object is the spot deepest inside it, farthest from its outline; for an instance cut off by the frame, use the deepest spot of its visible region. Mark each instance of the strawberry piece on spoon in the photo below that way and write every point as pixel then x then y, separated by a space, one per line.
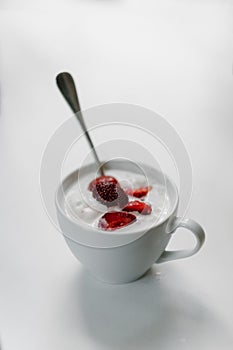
pixel 140 207
pixel 101 179
pixel 110 194
pixel 116 219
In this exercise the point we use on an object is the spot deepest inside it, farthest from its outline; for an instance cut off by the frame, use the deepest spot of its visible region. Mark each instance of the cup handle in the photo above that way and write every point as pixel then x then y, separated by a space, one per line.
pixel 195 228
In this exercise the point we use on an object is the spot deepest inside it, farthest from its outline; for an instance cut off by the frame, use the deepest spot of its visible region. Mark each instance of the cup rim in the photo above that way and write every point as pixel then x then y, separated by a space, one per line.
pixel 108 233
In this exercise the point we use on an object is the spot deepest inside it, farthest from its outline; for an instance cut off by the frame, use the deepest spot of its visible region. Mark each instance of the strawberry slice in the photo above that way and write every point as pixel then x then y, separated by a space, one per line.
pixel 141 207
pixel 115 219
pixel 138 192
pixel 101 179
pixel 110 194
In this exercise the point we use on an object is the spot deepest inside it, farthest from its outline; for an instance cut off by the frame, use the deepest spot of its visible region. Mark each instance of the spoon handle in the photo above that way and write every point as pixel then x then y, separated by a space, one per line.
pixel 67 88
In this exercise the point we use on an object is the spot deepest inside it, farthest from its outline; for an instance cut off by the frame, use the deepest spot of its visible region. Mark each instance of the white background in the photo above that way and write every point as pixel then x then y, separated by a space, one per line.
pixel 174 57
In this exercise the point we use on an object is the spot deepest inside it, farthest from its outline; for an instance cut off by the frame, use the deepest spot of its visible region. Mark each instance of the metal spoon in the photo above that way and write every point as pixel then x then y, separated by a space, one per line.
pixel 67 87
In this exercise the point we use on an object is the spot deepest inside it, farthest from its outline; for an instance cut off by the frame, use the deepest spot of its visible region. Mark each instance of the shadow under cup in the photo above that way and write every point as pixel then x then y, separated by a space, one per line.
pixel 124 255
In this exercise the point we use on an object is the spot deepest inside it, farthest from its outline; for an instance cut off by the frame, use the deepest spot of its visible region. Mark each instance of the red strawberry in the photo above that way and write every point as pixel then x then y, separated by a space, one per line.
pixel 139 192
pixel 140 207
pixel 101 179
pixel 110 194
pixel 115 219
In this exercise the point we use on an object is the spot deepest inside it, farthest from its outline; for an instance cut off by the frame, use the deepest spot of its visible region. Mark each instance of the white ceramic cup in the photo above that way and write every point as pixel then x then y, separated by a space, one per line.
pixel 125 261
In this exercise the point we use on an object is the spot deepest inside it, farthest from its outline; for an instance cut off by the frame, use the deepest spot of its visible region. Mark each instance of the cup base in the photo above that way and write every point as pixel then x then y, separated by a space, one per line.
pixel 112 282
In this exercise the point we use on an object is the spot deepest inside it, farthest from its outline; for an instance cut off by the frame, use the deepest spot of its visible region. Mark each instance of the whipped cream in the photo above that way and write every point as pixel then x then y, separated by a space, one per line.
pixel 80 205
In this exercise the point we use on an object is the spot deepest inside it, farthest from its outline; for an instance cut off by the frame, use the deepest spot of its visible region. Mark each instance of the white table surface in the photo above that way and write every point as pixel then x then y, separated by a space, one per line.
pixel 174 57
